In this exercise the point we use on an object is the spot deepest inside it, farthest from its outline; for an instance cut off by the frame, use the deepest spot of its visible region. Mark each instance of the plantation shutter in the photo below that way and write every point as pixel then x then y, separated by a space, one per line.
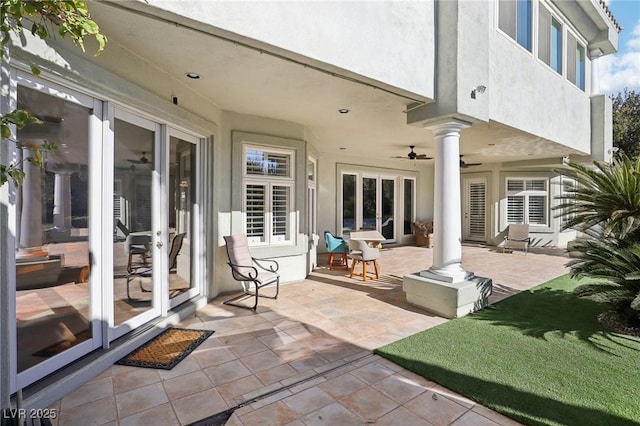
pixel 537 212
pixel 255 210
pixel 477 209
pixel 515 209
pixel 280 212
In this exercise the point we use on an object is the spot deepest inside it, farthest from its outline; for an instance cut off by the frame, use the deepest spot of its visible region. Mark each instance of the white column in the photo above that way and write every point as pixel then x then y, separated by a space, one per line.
pixel 62 201
pixel 447 213
pixel 31 215
pixel 595 75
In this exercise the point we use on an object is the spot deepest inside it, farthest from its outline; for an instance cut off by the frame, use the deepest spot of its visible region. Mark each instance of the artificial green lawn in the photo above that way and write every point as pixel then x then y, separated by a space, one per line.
pixel 539 357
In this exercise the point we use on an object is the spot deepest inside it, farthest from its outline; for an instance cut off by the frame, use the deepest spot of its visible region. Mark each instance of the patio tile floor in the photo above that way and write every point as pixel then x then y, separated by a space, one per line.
pixel 306 358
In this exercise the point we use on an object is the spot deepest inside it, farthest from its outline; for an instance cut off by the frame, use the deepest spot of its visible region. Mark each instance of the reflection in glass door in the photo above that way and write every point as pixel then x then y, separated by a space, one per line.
pixel 133 260
pixel 55 297
pixel 378 205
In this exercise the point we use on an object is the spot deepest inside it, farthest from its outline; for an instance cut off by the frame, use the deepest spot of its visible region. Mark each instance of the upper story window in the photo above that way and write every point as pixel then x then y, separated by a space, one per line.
pixel 515 19
pixel 575 61
pixel 528 201
pixel 549 40
pixel 268 185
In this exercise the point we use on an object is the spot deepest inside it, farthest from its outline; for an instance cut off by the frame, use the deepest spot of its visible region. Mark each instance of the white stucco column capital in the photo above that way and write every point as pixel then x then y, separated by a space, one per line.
pixel 451 125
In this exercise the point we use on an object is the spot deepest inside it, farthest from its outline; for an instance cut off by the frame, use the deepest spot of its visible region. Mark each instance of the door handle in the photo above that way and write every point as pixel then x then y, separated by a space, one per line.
pixel 159 244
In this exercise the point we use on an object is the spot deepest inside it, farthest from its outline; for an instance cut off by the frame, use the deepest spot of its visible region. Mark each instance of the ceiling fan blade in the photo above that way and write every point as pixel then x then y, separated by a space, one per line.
pixel 423 157
pixel 473 164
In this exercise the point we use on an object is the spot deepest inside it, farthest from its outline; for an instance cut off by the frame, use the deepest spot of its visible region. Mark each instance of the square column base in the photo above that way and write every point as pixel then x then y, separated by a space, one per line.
pixel 447 299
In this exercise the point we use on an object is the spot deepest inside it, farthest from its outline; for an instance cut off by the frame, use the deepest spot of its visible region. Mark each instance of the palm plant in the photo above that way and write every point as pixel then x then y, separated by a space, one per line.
pixel 605 205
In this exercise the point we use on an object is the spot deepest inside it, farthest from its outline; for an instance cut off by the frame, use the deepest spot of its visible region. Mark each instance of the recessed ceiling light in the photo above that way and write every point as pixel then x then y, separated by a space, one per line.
pixel 193 75
pixel 342 148
pixel 343 110
pixel 492 144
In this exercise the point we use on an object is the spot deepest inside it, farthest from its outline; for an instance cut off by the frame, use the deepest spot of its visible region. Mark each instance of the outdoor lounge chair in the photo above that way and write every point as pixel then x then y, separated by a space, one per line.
pixel 517 237
pixel 253 273
pixel 147 271
pixel 336 245
pixel 361 252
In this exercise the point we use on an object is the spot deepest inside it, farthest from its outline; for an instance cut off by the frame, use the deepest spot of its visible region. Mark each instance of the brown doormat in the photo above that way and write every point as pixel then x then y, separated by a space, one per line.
pixel 166 350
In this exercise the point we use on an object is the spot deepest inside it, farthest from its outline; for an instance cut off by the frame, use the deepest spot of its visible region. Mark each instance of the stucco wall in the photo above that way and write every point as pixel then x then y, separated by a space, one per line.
pixel 528 95
pixel 390 42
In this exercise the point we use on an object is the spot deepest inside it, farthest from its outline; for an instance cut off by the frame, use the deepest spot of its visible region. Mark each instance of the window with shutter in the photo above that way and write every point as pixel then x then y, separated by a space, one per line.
pixel 527 201
pixel 268 183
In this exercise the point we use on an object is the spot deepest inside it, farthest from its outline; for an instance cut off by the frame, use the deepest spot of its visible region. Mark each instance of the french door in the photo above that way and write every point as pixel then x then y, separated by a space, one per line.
pixel 378 205
pixel 369 203
pixel 138 248
pixel 155 216
pixel 474 220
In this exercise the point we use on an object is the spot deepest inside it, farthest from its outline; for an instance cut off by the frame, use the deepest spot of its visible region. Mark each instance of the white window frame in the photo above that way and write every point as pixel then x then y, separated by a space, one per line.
pixel 527 194
pixel 312 193
pixel 553 18
pixel 270 183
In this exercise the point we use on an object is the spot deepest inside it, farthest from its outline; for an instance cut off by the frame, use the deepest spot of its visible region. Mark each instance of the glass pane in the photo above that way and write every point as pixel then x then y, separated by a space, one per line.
pixel 556 46
pixel 507 17
pixel 311 170
pixel 408 206
pixel 369 203
pixel 273 164
pixel 348 204
pixel 523 24
pixel 536 185
pixel 580 64
pixel 388 208
pixel 182 156
pixel 133 168
pixel 537 209
pixel 515 185
pixel 52 262
pixel 544 34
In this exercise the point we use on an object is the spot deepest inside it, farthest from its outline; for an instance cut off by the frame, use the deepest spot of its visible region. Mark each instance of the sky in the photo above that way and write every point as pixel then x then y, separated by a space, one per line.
pixel 622 69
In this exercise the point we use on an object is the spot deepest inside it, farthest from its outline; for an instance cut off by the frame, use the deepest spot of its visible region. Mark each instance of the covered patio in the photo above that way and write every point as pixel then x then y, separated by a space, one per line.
pixel 307 358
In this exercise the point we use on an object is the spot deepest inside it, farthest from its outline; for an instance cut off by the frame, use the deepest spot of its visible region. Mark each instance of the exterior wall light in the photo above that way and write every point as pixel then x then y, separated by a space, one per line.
pixel 478 89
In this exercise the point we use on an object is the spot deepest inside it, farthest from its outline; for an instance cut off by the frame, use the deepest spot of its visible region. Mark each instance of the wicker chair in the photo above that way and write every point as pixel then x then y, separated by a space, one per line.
pixel 423 232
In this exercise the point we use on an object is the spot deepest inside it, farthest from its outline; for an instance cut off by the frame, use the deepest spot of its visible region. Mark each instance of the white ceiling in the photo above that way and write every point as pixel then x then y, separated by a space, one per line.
pixel 240 79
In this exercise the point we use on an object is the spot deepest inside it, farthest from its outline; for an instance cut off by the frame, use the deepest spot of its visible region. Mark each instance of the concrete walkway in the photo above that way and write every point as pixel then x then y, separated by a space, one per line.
pixel 306 358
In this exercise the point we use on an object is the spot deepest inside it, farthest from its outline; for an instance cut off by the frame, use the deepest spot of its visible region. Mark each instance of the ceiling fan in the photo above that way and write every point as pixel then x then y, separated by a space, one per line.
pixel 413 156
pixel 142 160
pixel 464 165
